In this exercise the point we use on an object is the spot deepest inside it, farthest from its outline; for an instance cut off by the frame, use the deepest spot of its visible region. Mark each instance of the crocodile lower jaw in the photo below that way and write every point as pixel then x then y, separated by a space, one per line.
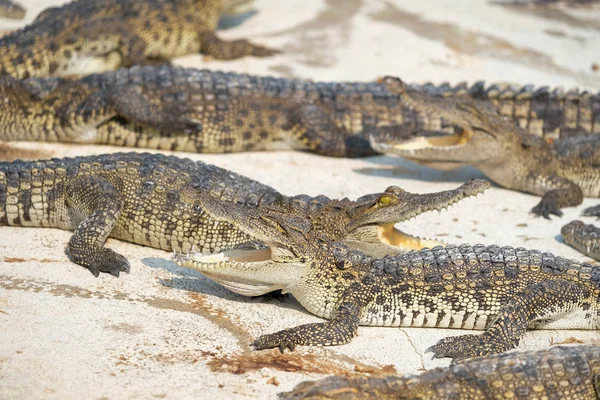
pixel 406 147
pixel 246 272
pixel 390 235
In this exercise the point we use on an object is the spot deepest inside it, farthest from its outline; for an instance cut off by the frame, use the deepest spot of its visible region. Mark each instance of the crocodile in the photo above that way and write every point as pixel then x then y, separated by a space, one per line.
pixel 561 372
pixel 563 172
pixel 501 290
pixel 88 36
pixel 583 237
pixel 172 108
pixel 175 204
pixel 12 10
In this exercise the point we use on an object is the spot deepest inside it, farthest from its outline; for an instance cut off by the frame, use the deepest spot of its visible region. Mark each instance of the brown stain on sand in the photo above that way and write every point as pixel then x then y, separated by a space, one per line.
pixel 555 14
pixel 125 327
pixel 22 260
pixel 201 306
pixel 467 42
pixel 294 362
pixel 314 39
pixel 238 363
pixel 9 152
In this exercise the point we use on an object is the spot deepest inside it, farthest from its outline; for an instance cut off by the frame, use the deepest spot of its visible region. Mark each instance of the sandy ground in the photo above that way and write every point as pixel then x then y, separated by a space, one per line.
pixel 166 332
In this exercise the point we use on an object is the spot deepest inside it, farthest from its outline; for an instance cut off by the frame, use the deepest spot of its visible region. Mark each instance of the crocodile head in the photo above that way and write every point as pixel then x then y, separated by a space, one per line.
pixel 276 264
pixel 585 238
pixel 236 7
pixel 469 131
pixel 293 252
pixel 370 220
pixel 9 9
pixel 287 239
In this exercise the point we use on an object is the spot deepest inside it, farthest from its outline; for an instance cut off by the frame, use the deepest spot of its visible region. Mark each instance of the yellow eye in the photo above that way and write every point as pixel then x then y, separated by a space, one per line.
pixel 385 200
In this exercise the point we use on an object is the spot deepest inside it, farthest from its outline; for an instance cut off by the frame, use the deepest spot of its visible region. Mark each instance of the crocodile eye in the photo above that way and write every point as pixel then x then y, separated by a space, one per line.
pixel 384 200
pixel 484 131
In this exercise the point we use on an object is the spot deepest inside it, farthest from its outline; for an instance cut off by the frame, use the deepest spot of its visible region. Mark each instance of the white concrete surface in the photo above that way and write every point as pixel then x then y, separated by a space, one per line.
pixel 166 332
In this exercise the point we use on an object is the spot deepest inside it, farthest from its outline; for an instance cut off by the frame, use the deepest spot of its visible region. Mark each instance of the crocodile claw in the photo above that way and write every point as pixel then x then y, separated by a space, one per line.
pixel 546 207
pixel 465 346
pixel 113 265
pixel 283 346
pixel 280 340
pixel 593 211
pixel 263 51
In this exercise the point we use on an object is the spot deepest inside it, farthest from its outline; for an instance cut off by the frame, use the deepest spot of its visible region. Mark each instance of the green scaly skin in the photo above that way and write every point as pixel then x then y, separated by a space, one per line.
pixel 558 373
pixel 501 290
pixel 88 36
pixel 172 108
pixel 178 204
pixel 562 172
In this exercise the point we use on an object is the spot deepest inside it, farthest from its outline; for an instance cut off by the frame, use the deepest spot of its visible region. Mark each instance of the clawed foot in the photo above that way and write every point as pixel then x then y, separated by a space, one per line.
pixel 111 263
pixel 546 207
pixel 282 340
pixel 106 261
pixel 592 211
pixel 465 346
pixel 262 51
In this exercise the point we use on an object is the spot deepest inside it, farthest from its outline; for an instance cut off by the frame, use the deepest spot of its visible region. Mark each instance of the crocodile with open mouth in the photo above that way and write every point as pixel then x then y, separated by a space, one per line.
pixel 173 108
pixel 474 133
pixel 176 204
pixel 501 290
pixel 88 36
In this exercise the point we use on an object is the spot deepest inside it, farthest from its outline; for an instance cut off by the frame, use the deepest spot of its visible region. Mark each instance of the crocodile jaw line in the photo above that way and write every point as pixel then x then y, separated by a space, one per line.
pixel 434 147
pixel 246 272
pixel 388 234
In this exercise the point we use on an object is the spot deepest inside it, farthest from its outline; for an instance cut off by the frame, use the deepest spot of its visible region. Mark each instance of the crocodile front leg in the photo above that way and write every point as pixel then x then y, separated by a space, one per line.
pixel 561 193
pixel 539 301
pixel 101 204
pixel 113 34
pixel 593 211
pixel 221 49
pixel 340 329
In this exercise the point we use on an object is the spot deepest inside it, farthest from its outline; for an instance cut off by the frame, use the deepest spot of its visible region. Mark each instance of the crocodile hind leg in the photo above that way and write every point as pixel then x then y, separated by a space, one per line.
pixel 316 130
pixel 540 301
pixel 134 105
pixel 220 49
pixel 99 202
pixel 340 329
pixel 128 102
